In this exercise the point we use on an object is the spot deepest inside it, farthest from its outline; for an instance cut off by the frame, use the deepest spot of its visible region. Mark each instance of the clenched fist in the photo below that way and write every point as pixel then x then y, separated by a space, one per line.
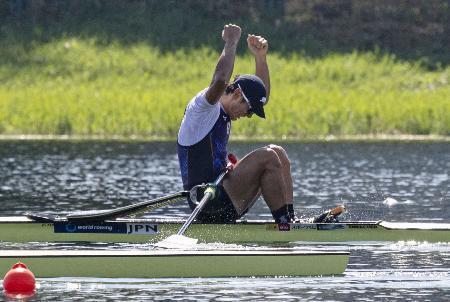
pixel 257 45
pixel 231 33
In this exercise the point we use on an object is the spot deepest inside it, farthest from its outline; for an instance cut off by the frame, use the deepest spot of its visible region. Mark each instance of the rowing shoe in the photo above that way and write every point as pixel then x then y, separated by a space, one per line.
pixel 330 216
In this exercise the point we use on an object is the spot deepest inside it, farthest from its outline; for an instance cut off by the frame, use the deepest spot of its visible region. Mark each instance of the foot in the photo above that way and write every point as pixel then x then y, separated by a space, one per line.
pixel 337 210
pixel 330 216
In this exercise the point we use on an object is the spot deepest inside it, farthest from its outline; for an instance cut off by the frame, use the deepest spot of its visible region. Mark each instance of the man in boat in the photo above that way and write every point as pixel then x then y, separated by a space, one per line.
pixel 205 129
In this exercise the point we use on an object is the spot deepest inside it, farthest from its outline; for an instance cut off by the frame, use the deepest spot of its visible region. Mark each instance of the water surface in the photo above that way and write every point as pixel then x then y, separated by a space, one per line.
pixel 390 181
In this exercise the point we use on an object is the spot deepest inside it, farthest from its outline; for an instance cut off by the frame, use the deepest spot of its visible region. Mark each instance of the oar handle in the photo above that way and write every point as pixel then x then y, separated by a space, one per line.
pixel 232 160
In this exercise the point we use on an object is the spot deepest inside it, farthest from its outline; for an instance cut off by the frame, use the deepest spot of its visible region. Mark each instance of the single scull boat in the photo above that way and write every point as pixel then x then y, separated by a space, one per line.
pixel 25 229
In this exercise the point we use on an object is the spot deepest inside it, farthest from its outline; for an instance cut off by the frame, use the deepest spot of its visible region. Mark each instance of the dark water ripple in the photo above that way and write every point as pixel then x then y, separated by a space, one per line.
pixel 50 176
pixel 364 175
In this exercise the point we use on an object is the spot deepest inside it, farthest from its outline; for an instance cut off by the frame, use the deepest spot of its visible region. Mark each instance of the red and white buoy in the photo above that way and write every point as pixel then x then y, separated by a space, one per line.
pixel 19 281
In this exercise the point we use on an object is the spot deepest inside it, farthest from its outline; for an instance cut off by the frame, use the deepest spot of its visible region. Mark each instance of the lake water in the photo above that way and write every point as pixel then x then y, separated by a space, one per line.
pixel 395 181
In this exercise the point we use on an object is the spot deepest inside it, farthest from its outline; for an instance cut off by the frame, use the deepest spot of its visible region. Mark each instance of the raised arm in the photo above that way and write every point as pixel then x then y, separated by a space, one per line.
pixel 259 47
pixel 231 34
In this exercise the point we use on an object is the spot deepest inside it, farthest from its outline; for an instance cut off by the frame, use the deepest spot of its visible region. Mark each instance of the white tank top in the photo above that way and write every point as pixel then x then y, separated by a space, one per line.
pixel 199 118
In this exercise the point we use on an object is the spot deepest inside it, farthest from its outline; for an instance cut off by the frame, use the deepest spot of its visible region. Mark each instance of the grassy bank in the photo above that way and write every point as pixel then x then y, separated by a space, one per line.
pixel 80 87
pixel 127 68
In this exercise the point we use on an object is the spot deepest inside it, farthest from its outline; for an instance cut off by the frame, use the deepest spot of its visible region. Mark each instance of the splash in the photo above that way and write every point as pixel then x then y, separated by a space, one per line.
pixel 390 202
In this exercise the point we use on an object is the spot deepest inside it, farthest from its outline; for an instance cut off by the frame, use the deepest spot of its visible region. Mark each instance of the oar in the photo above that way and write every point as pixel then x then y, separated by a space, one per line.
pixel 102 215
pixel 144 206
pixel 179 240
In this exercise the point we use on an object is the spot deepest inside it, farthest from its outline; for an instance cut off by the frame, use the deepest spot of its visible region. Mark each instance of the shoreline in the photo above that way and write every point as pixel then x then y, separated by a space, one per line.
pixel 138 138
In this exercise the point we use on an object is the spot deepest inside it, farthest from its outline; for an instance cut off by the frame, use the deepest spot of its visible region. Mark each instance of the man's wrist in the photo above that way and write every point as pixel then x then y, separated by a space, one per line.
pixel 231 44
pixel 260 58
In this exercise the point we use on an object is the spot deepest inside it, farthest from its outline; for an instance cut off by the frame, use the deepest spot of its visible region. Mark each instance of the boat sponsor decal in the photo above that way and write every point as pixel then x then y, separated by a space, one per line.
pixel 304 226
pixel 284 227
pixel 271 227
pixel 330 227
pixel 317 226
pixel 363 226
pixel 107 228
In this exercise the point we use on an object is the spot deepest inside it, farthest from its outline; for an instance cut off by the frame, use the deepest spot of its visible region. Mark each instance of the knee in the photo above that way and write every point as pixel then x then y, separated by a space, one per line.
pixel 270 158
pixel 276 148
pixel 282 154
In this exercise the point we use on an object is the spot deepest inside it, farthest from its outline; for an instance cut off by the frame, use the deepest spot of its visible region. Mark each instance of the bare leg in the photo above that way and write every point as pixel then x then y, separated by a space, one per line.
pixel 287 177
pixel 259 171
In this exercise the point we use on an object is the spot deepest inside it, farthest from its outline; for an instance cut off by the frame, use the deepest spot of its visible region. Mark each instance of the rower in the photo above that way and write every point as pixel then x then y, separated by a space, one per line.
pixel 203 139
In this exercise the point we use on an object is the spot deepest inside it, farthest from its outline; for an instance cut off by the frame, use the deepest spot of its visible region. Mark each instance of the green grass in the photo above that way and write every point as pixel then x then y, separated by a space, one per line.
pixel 80 87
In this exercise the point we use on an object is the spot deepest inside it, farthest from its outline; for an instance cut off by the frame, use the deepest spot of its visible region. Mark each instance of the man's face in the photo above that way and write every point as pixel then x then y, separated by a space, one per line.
pixel 238 106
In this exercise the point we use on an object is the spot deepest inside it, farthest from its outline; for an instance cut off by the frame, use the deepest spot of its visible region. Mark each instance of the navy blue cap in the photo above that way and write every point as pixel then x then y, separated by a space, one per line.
pixel 253 91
